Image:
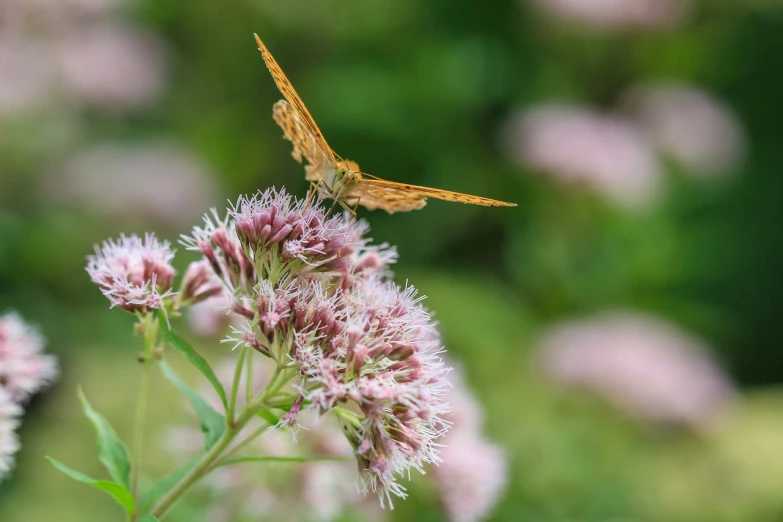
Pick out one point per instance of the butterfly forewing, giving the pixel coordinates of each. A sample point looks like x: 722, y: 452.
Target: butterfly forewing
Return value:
x: 288, y: 91
x: 402, y: 196
x: 305, y: 144
x: 388, y: 198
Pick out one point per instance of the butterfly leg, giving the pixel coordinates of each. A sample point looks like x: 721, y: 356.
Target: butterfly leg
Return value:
x: 314, y: 188
x: 334, y: 202
x: 349, y: 209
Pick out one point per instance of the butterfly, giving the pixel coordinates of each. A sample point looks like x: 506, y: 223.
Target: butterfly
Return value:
x: 341, y: 179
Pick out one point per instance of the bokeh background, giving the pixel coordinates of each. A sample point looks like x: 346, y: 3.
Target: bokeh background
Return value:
x: 641, y: 139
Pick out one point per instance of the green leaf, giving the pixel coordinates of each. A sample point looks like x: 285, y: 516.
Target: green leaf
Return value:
x: 162, y: 486
x: 268, y: 416
x: 111, y: 450
x: 181, y: 345
x: 149, y: 518
x: 240, y: 460
x: 213, y: 424
x: 117, y: 491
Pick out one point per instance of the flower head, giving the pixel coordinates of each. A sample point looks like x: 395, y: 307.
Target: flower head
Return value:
x: 317, y: 299
x: 474, y: 471
x: 689, y: 125
x: 375, y: 346
x: 159, y: 179
x: 272, y: 235
x: 9, y: 420
x: 132, y: 273
x: 643, y: 365
x: 112, y: 67
x: 618, y: 14
x: 580, y: 146
x: 294, y: 230
x: 23, y: 368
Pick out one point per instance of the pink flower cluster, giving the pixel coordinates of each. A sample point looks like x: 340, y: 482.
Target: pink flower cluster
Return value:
x: 133, y: 273
x: 618, y: 153
x: 10, y: 412
x: 79, y: 51
x: 618, y: 14
x: 581, y: 146
x: 643, y: 365
x: 24, y: 370
x: 315, y: 294
x: 381, y: 353
x: 135, y: 179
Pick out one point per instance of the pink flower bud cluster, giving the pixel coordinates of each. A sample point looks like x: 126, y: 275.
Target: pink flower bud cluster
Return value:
x: 296, y: 230
x: 383, y: 358
x: 24, y: 370
x: 133, y: 273
x: 314, y: 293
x: 271, y: 234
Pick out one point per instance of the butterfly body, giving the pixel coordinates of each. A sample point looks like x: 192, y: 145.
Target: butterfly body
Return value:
x: 341, y: 179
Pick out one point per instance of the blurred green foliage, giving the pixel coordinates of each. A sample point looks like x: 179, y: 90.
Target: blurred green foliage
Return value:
x: 419, y: 92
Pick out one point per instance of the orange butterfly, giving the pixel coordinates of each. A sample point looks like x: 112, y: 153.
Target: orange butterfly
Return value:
x: 341, y: 179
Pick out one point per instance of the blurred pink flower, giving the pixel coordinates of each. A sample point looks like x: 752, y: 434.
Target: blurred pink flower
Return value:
x: 9, y: 420
x: 577, y: 145
x: 24, y: 369
x: 200, y: 282
x: 471, y: 477
x: 25, y: 74
x: 607, y: 14
x: 56, y: 17
x: 689, y: 125
x: 113, y: 67
x: 642, y: 364
x: 212, y: 316
x: 158, y: 179
x: 474, y: 472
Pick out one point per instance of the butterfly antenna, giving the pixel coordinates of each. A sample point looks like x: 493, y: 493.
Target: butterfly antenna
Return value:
x: 371, y: 176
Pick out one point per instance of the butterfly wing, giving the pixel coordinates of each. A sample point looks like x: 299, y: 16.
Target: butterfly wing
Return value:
x: 401, y: 197
x: 306, y: 122
x: 392, y: 199
x: 305, y: 143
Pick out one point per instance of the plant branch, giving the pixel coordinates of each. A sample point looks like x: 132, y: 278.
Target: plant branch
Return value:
x: 232, y: 403
x: 150, y: 337
x: 205, y: 464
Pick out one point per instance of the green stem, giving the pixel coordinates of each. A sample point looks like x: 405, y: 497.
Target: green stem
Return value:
x: 249, y: 378
x: 204, y: 465
x: 150, y: 337
x: 232, y: 403
x: 233, y: 427
x: 250, y: 438
x: 275, y: 385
